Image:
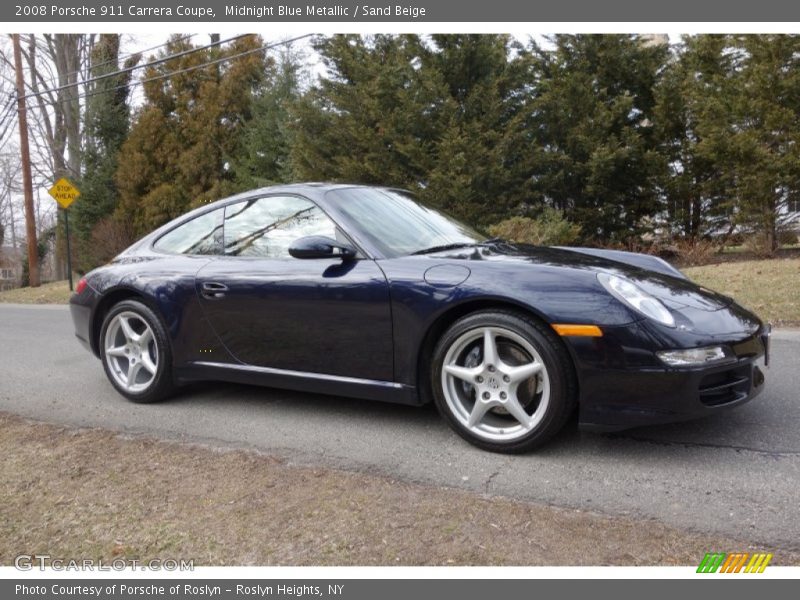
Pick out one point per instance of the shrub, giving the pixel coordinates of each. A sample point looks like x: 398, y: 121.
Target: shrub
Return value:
x: 548, y: 229
x: 787, y: 237
x: 757, y: 244
x: 109, y: 237
x: 735, y: 239
x: 694, y: 252
x: 42, y: 246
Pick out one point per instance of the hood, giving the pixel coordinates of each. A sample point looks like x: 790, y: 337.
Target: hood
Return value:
x: 673, y: 290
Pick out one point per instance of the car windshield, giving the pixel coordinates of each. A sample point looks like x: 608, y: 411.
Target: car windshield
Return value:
x: 397, y: 224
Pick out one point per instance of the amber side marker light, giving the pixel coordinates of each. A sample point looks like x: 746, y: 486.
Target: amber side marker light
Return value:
x: 578, y: 330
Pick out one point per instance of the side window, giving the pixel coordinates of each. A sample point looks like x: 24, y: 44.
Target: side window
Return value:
x: 266, y: 227
x: 201, y: 235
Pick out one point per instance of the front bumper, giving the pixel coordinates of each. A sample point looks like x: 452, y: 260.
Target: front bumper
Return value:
x: 623, y: 385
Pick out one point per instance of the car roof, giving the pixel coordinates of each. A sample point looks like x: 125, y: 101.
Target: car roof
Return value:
x: 314, y: 188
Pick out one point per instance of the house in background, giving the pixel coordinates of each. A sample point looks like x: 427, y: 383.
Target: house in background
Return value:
x: 789, y: 218
x: 10, y: 267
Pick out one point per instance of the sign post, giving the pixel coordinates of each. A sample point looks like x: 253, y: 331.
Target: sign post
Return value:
x: 65, y: 193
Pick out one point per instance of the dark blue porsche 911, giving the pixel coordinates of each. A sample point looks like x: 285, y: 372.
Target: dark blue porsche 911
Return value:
x: 366, y: 292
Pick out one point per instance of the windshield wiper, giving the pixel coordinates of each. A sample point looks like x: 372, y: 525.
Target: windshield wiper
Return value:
x: 456, y: 246
x: 443, y: 247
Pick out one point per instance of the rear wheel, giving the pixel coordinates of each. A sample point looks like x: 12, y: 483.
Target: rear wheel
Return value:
x: 503, y: 381
x: 135, y: 352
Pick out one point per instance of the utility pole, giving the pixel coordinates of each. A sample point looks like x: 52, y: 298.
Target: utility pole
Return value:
x: 30, y: 222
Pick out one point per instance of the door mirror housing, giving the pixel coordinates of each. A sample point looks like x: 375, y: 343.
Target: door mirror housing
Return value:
x: 320, y: 246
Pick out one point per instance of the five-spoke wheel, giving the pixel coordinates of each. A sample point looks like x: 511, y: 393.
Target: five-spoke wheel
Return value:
x: 131, y: 350
x: 135, y: 352
x: 502, y: 381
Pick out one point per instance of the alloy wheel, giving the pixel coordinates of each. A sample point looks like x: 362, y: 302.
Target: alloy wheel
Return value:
x: 495, y: 383
x: 131, y: 352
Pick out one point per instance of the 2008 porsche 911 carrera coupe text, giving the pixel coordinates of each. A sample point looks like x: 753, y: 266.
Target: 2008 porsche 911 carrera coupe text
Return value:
x: 366, y: 292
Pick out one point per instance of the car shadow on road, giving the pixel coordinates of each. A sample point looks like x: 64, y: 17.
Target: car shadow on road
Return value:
x: 301, y: 406
x: 732, y: 430
x: 299, y: 402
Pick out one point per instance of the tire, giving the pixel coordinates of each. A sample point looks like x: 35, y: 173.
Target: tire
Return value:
x: 513, y: 398
x: 148, y: 358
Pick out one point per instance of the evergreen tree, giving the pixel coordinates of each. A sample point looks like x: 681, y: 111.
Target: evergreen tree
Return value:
x: 729, y: 119
x: 478, y: 170
x: 264, y: 156
x: 429, y: 115
x: 764, y: 140
x: 107, y: 121
x: 692, y: 120
x: 189, y: 131
x: 374, y: 118
x: 593, y: 153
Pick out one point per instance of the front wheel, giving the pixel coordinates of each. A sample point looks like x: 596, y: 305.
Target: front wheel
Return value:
x: 135, y: 352
x: 503, y: 381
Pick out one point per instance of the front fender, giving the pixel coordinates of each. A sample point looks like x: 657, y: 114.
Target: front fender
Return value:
x: 635, y: 259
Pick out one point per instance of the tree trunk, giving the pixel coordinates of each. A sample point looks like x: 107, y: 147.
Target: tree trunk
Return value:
x: 68, y: 65
x: 771, y: 232
x: 58, y: 103
x: 696, y: 216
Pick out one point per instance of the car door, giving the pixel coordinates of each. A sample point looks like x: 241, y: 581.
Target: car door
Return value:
x: 313, y: 315
x: 169, y: 279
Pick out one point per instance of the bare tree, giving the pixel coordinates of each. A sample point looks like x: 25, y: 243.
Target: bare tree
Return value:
x: 10, y: 163
x: 10, y: 167
x: 57, y: 68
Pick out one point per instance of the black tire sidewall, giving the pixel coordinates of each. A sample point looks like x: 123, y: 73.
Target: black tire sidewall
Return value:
x: 556, y: 361
x: 162, y: 382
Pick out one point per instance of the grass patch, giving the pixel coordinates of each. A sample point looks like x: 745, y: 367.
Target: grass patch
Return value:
x: 56, y: 292
x: 770, y: 288
x: 94, y: 493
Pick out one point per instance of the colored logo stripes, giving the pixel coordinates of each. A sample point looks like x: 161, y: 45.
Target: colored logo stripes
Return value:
x: 734, y: 562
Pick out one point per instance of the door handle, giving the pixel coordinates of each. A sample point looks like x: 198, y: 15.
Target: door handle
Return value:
x: 213, y: 289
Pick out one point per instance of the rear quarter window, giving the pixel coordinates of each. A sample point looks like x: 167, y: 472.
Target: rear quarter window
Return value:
x: 201, y: 235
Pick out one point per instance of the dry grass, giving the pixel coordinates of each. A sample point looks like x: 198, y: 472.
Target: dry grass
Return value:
x: 48, y: 293
x: 771, y: 288
x: 97, y: 494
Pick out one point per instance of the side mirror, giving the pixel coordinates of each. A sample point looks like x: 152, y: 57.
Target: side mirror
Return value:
x: 319, y: 246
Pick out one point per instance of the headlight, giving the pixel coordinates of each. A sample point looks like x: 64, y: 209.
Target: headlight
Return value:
x: 694, y: 356
x: 635, y: 297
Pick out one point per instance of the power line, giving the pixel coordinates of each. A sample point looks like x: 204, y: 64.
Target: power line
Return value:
x: 6, y: 110
x: 125, y: 55
x: 6, y: 128
x: 6, y: 113
x: 178, y: 72
x: 195, y: 67
x: 8, y: 125
x: 52, y: 78
x: 10, y: 101
x: 135, y: 67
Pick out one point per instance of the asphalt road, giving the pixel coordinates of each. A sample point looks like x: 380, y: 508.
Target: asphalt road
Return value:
x: 736, y: 474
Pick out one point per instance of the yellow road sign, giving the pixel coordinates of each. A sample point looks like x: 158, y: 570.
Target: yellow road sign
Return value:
x: 64, y: 192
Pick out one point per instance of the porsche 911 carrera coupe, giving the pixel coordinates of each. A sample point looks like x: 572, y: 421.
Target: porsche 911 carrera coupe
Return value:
x: 366, y: 292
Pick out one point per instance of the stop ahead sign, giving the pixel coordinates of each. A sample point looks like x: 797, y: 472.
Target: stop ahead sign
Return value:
x: 64, y: 192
